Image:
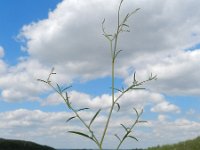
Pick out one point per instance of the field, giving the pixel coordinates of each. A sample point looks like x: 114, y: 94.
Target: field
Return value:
x: 187, y: 145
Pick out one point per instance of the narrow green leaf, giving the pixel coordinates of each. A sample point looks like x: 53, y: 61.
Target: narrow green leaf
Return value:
x: 70, y: 118
x: 115, y: 54
x: 136, y: 111
x: 109, y: 35
x: 137, y: 88
x: 121, y: 3
x: 59, y: 89
x: 66, y: 88
x: 141, y: 112
x: 134, y: 77
x: 83, y: 109
x: 118, y: 137
x: 137, y: 9
x: 130, y: 136
x: 103, y: 21
x: 125, y: 25
x: 142, y: 121
x: 134, y: 11
x: 125, y: 19
x: 52, y: 71
x: 42, y: 80
x: 94, y: 117
x: 118, y: 90
x: 118, y: 106
x: 124, y: 127
x: 67, y: 97
x: 80, y: 133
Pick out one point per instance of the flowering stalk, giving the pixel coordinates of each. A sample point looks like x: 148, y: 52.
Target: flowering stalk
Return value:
x: 113, y: 41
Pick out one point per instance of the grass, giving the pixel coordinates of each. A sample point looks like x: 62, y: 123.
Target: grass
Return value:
x: 186, y: 145
x: 6, y: 144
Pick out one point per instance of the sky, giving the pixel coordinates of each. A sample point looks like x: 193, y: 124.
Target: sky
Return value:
x: 164, y: 39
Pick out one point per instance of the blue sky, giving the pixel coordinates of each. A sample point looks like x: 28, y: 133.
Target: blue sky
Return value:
x: 38, y: 35
x: 13, y: 16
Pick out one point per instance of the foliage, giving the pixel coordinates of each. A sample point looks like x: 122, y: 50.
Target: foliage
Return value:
x: 6, y: 144
x: 122, y: 26
x: 187, y: 145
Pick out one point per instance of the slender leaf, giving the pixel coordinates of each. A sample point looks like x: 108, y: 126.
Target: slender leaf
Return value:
x: 118, y: 90
x: 42, y: 80
x: 141, y: 112
x: 125, y: 127
x: 142, y: 121
x: 137, y: 88
x: 117, y: 53
x: 136, y: 111
x: 83, y: 109
x: 80, y: 133
x: 59, y: 89
x: 52, y: 72
x: 125, y: 25
x: 66, y: 88
x: 94, y: 117
x: 130, y: 136
x: 118, y: 137
x: 118, y: 106
x: 134, y: 77
x: 67, y: 97
x: 135, y: 11
x: 103, y: 21
x: 125, y: 19
x: 70, y: 118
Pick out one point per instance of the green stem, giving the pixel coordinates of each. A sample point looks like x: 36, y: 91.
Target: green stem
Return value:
x: 77, y: 115
x: 128, y: 132
x: 112, y: 106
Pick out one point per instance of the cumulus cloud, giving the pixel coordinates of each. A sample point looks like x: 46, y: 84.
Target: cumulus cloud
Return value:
x: 133, y: 99
x: 161, y: 33
x: 165, y: 107
x: 32, y: 124
x: 177, y: 73
x: 172, y: 131
x: 68, y: 42
x: 71, y: 40
x: 3, y: 67
x: 1, y: 51
x: 20, y: 83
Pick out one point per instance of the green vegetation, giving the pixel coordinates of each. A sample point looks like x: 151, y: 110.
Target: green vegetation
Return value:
x: 6, y: 144
x: 187, y: 145
x: 112, y: 38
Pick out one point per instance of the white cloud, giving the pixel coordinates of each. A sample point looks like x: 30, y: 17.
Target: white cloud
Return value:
x: 51, y: 126
x: 165, y: 107
x: 1, y: 51
x: 133, y: 99
x: 161, y: 32
x: 68, y: 42
x: 177, y: 73
x: 171, y: 131
x: 162, y: 118
x: 3, y: 67
x: 71, y: 40
x: 20, y: 82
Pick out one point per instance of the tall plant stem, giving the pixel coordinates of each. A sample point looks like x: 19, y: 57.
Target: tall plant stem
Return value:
x: 113, y: 51
x: 112, y: 106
